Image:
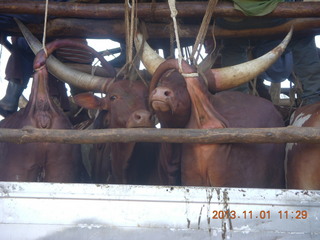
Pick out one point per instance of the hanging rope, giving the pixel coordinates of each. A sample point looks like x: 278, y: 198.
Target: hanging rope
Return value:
x: 131, y: 26
x: 127, y: 29
x: 171, y: 40
x: 45, y: 28
x: 203, y: 30
x: 213, y: 37
x: 174, y: 12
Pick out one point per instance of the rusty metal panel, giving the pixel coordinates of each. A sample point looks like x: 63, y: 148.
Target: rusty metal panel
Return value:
x: 89, y: 211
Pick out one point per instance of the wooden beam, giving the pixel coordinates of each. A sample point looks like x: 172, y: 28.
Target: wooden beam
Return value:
x: 227, y: 135
x: 114, y: 29
x: 149, y: 10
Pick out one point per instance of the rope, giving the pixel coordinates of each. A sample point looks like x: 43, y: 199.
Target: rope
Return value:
x: 174, y: 12
x: 45, y: 28
x: 213, y: 37
x: 127, y: 26
x: 131, y: 26
x: 190, y: 74
x: 131, y: 29
x: 171, y: 40
x: 203, y: 29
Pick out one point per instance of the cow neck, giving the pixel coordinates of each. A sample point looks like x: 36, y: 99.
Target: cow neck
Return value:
x: 202, y: 111
x: 40, y: 106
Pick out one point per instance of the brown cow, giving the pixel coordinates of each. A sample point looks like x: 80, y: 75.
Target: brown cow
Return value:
x: 50, y: 162
x: 125, y: 106
x: 303, y: 159
x: 123, y: 91
x: 186, y: 102
x: 221, y: 165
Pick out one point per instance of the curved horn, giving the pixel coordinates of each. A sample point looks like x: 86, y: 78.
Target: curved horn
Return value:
x: 151, y: 60
x: 61, y: 71
x: 229, y: 77
x: 54, y: 45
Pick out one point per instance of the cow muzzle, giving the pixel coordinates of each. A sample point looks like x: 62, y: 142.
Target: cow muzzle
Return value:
x: 140, y: 119
x: 160, y: 99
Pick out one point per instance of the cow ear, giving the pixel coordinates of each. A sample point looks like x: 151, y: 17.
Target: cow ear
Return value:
x: 87, y: 100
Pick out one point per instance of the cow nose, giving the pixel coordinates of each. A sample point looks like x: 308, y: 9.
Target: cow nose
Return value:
x: 140, y: 118
x: 161, y: 92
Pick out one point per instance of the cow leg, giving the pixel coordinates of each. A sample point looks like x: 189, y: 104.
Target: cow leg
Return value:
x: 19, y: 173
x: 195, y: 165
x: 22, y: 165
x: 303, y: 169
x: 65, y: 166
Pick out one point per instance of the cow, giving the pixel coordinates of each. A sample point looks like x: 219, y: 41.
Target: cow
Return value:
x: 185, y: 102
x: 122, y: 100
x: 303, y: 159
x: 124, y: 106
x: 49, y: 162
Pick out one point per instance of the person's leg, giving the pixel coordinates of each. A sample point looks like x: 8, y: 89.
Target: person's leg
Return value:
x: 9, y: 103
x: 19, y: 69
x: 234, y: 51
x: 307, y: 67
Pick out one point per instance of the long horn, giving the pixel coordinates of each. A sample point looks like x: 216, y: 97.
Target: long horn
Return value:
x: 151, y: 60
x: 71, y: 76
x: 230, y: 77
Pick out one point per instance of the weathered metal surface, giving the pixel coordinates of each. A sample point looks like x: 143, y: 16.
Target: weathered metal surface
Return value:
x: 88, y: 211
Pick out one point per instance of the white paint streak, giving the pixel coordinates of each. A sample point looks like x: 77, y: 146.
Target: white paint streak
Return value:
x: 300, y: 119
x: 297, y: 121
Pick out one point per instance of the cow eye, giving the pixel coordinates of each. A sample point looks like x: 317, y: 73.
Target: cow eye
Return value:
x: 113, y: 97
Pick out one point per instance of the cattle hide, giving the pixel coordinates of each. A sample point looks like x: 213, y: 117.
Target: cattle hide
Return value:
x: 303, y: 159
x: 124, y: 106
x: 49, y: 162
x: 187, y: 103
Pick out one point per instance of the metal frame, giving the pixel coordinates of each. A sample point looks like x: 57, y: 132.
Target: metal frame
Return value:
x: 91, y: 211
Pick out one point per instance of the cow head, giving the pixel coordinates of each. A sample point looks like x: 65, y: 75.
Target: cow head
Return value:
x: 168, y: 93
x: 125, y: 102
x: 124, y: 106
x: 170, y: 99
x: 189, y: 94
